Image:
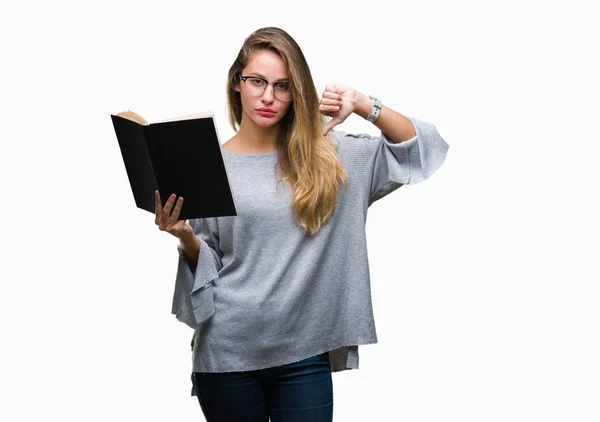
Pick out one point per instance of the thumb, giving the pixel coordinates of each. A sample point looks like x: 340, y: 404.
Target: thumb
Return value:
x: 328, y: 126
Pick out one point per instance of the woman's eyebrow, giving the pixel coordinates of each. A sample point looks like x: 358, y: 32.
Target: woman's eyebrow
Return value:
x: 261, y: 76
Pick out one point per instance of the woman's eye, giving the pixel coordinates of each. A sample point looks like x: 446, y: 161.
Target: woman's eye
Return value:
x: 283, y: 86
x: 258, y: 82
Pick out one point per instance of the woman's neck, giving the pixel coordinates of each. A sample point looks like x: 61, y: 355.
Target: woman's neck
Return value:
x: 257, y: 139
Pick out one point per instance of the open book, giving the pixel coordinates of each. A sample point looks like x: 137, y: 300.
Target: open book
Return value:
x: 181, y: 155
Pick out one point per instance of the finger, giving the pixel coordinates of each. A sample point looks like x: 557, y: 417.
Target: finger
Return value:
x: 331, y: 101
x: 158, y: 201
x: 175, y: 215
x: 332, y: 88
x: 328, y: 126
x: 331, y: 95
x: 168, y: 206
x: 328, y: 109
x: 158, y: 207
x: 326, y: 113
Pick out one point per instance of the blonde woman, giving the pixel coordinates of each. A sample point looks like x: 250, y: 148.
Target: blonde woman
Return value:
x: 279, y: 295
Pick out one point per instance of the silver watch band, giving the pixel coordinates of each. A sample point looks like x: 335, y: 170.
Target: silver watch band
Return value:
x: 375, y: 110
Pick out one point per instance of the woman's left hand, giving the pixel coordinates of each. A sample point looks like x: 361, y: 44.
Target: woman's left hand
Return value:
x: 337, y: 102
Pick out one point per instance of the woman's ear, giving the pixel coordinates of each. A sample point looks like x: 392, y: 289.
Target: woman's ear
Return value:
x: 237, y: 87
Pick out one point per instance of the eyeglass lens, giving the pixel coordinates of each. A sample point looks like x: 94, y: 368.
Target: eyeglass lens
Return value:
x: 257, y: 87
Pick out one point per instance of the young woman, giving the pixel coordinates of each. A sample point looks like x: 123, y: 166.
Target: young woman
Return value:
x: 279, y: 295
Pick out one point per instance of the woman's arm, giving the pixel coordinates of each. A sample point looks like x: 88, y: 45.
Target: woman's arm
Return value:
x: 339, y: 101
x: 198, y: 265
x: 191, y: 249
x: 396, y: 126
x: 408, y: 150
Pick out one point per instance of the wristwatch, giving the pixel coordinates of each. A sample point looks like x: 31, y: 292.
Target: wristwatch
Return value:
x: 375, y: 110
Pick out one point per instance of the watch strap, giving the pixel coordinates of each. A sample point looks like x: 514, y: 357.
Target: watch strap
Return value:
x: 375, y: 110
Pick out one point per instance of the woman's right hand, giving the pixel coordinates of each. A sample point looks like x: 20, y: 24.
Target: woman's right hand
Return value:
x: 168, y: 221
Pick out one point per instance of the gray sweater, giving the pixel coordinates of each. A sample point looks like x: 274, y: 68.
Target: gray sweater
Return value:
x: 266, y: 294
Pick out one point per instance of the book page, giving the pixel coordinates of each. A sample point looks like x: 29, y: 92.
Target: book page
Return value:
x: 133, y: 116
x: 189, y: 117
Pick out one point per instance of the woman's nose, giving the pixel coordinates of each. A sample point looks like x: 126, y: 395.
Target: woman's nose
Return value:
x: 269, y: 94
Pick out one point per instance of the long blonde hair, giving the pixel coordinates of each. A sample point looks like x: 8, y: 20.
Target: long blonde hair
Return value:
x: 307, y: 159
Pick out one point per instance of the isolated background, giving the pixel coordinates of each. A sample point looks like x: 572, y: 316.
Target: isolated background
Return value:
x: 484, y: 286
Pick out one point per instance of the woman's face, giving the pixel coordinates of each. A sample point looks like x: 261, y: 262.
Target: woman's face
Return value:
x: 264, y: 109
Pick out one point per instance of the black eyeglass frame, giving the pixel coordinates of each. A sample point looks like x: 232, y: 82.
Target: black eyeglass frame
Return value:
x: 244, y: 78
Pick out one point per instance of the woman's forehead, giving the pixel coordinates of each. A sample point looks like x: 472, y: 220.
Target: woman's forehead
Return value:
x: 266, y: 64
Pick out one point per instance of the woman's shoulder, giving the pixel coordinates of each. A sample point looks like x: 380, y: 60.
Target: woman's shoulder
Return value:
x: 349, y: 143
x: 230, y: 146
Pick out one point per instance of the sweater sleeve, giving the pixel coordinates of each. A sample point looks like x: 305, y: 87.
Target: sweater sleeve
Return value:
x: 193, y: 296
x: 388, y: 165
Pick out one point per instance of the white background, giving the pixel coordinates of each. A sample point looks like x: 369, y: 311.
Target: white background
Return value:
x: 484, y: 285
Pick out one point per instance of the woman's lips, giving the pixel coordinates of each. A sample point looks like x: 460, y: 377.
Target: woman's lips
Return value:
x: 266, y: 113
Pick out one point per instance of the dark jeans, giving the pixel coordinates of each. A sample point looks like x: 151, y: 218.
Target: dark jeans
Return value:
x: 299, y: 392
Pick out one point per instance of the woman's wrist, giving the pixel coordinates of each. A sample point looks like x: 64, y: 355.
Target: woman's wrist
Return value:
x: 188, y: 239
x: 191, y: 249
x: 363, y: 105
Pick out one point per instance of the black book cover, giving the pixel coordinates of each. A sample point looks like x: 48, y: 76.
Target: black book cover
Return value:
x: 178, y: 156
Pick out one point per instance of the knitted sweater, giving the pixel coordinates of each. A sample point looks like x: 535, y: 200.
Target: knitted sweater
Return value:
x: 264, y: 292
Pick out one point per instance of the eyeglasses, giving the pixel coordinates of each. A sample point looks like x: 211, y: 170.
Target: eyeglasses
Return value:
x: 257, y: 86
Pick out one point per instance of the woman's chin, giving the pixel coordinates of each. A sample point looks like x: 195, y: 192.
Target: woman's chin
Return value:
x: 266, y: 122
